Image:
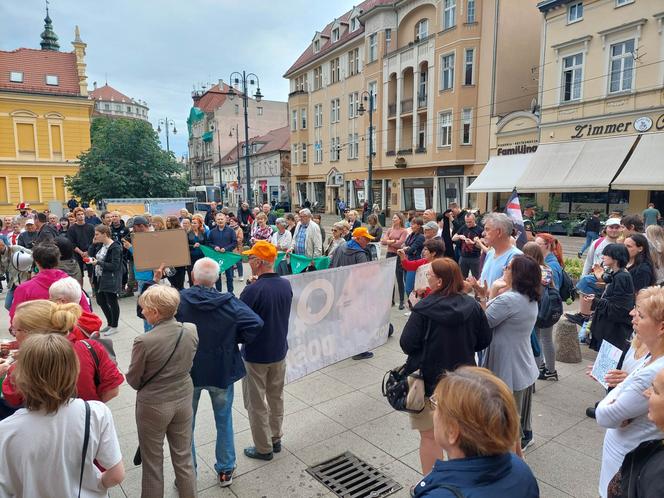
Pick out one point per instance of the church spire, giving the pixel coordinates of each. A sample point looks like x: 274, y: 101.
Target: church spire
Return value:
x: 49, y: 40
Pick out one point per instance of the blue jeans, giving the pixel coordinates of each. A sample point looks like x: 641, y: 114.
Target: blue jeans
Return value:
x: 222, y: 406
x: 141, y: 284
x: 590, y: 236
x: 229, y: 281
x: 239, y: 268
x: 9, y: 298
x: 410, y: 282
x: 586, y: 285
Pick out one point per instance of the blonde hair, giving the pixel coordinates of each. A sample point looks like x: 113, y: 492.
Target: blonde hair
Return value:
x: 655, y: 236
x: 46, y: 372
x: 162, y: 298
x: 483, y: 408
x: 158, y: 219
x: 262, y: 216
x: 44, y: 317
x: 651, y: 301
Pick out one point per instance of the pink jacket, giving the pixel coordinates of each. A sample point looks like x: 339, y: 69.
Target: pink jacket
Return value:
x: 37, y: 288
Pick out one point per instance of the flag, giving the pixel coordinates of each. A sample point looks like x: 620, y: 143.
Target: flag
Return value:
x: 513, y: 210
x: 226, y: 260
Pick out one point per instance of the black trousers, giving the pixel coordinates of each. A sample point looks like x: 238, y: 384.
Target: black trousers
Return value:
x: 399, y: 275
x: 108, y: 302
x: 177, y: 280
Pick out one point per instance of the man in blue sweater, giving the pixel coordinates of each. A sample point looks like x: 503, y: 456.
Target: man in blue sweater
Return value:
x: 270, y: 297
x: 222, y: 239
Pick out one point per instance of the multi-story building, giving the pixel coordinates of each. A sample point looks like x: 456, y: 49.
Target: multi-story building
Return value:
x: 599, y: 142
x: 44, y: 121
x: 439, y: 70
x: 213, y: 122
x: 269, y: 167
x: 112, y: 103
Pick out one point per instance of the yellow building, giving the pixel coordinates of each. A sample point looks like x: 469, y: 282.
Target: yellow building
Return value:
x: 44, y: 121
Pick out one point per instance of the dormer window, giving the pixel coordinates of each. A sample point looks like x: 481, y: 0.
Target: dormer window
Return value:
x: 316, y: 46
x: 354, y: 23
x: 335, y: 35
x: 421, y: 30
x: 16, y: 77
x: 52, y: 80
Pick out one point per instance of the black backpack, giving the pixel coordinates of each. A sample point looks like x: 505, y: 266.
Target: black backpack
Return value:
x: 550, y: 308
x: 567, y: 289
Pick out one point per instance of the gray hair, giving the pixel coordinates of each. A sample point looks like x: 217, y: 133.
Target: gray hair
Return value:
x: 281, y: 221
x: 205, y: 272
x: 65, y: 290
x: 305, y: 212
x: 500, y: 221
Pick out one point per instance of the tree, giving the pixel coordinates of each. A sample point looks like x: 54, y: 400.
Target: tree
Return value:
x: 126, y: 161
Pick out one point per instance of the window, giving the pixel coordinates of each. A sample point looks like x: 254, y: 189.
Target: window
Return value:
x: 371, y: 133
x: 449, y: 14
x: 237, y: 108
x: 422, y: 30
x: 447, y: 79
x: 353, y: 104
x: 373, y: 52
x: 470, y: 12
x: 26, y: 139
x: 422, y: 137
x: 107, y: 107
x: 445, y: 132
x: 388, y: 39
x: 575, y: 12
x: 620, y: 3
x: 30, y: 189
x: 469, y: 61
x: 259, y: 111
x: 354, y: 62
x: 303, y: 118
x: 117, y: 107
x: 422, y: 89
x: 56, y: 142
x: 335, y: 149
x: 304, y: 153
x: 318, y: 148
x: 335, y: 35
x: 334, y: 70
x: 572, y: 77
x: 128, y: 109
x: 60, y: 191
x: 52, y: 80
x: 354, y: 146
x: 316, y: 46
x: 372, y: 90
x: 466, y: 126
x: 293, y: 126
x: 294, y: 154
x: 318, y: 115
x: 4, y: 199
x: 335, y: 111
x: 16, y: 77
x: 318, y: 78
x: 621, y: 72
x: 354, y: 23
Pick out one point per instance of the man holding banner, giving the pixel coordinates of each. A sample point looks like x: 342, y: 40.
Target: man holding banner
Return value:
x: 223, y: 240
x: 307, y: 239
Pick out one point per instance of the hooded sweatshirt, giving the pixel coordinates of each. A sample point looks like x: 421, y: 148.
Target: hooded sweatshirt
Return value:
x: 87, y: 324
x: 349, y: 253
x: 37, y: 288
x: 458, y: 329
x: 223, y: 322
x: 480, y: 477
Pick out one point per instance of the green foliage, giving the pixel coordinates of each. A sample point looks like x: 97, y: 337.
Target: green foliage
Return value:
x: 279, y: 213
x: 574, y: 267
x: 126, y: 161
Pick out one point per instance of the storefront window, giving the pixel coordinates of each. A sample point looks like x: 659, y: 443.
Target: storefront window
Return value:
x: 577, y: 203
x: 417, y: 193
x: 450, y: 189
x: 472, y: 197
x: 319, y: 194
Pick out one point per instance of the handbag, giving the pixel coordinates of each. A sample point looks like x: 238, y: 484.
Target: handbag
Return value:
x: 405, y: 390
x: 137, y: 460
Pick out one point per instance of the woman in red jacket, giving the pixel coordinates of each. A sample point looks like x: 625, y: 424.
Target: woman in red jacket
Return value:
x: 433, y: 249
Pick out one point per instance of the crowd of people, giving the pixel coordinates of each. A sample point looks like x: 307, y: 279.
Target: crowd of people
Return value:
x: 476, y: 331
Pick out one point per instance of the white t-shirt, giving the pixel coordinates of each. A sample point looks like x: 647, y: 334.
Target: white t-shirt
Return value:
x: 41, y: 454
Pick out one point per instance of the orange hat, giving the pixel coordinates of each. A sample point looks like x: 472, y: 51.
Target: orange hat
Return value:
x: 262, y: 250
x: 362, y: 232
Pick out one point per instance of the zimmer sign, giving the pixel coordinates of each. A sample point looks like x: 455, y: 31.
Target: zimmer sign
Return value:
x: 639, y: 125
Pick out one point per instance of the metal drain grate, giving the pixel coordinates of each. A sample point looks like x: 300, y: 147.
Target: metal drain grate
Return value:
x: 349, y: 477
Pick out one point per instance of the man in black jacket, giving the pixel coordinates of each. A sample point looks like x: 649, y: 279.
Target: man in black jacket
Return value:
x: 45, y: 231
x: 118, y: 232
x: 81, y: 235
x: 29, y: 236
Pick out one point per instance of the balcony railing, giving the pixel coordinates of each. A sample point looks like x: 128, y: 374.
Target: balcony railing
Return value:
x: 391, y: 110
x: 390, y: 153
x: 404, y: 152
x: 407, y: 105
x: 421, y: 101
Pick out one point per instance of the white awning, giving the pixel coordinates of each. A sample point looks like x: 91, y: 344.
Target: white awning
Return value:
x: 645, y: 168
x: 501, y: 173
x: 579, y: 166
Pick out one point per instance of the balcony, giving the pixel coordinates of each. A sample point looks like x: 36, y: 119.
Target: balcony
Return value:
x: 297, y: 92
x: 390, y: 153
x: 421, y: 150
x: 391, y: 110
x: 406, y: 106
x: 421, y: 101
x: 405, y: 152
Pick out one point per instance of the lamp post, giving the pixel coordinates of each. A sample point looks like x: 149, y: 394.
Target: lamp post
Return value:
x: 166, y: 123
x: 237, y: 152
x: 369, y: 97
x: 245, y: 80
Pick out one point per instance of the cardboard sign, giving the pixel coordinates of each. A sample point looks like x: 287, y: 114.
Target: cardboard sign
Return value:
x: 167, y: 247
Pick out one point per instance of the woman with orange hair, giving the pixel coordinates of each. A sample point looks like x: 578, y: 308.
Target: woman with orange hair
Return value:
x: 476, y: 423
x: 444, y: 331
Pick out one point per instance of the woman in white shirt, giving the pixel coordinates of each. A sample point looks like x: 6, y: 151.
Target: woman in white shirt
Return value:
x: 47, y: 437
x: 624, y: 411
x: 282, y: 238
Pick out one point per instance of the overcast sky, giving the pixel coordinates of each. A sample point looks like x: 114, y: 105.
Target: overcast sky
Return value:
x: 158, y: 50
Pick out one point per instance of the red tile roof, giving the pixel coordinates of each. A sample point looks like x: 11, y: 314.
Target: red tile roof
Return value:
x: 35, y: 65
x: 309, y: 56
x: 213, y: 98
x: 107, y: 92
x: 273, y: 140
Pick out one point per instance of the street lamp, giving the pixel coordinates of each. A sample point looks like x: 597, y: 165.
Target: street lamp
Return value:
x: 369, y: 97
x: 244, y: 80
x: 166, y: 123
x: 237, y: 151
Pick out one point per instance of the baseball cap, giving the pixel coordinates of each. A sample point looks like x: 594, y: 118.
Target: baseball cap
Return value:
x: 140, y: 220
x: 262, y: 249
x: 431, y: 225
x: 29, y: 221
x: 613, y: 221
x: 363, y: 232
x: 531, y: 205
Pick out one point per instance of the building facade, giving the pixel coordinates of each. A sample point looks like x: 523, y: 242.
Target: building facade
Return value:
x: 439, y: 72
x: 44, y: 122
x: 213, y: 122
x: 112, y: 103
x: 269, y: 167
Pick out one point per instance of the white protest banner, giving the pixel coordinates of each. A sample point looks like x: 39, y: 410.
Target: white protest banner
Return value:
x: 419, y: 199
x: 338, y: 313
x: 607, y: 359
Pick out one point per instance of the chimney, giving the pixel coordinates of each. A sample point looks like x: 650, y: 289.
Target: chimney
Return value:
x: 94, y: 85
x: 221, y: 84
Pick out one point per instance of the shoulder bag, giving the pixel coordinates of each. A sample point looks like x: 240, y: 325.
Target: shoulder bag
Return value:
x: 86, y: 440
x: 405, y: 391
x: 137, y: 456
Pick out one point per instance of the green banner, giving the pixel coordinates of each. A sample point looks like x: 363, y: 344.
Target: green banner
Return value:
x: 299, y: 263
x: 322, y: 262
x: 280, y: 257
x: 226, y: 260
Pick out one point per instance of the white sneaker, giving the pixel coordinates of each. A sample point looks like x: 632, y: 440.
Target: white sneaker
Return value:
x: 241, y: 279
x: 110, y: 331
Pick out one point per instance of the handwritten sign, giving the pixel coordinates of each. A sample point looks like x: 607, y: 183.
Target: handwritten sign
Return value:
x: 607, y: 359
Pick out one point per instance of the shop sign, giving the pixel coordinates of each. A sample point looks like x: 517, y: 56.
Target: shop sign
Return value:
x: 641, y: 124
x: 517, y: 149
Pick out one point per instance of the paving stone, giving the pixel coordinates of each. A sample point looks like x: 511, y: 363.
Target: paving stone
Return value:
x: 548, y: 421
x: 357, y: 376
x: 404, y: 475
x: 336, y: 445
x: 548, y: 491
x: 307, y: 427
x: 391, y: 433
x: 316, y: 389
x: 586, y: 437
x: 353, y: 409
